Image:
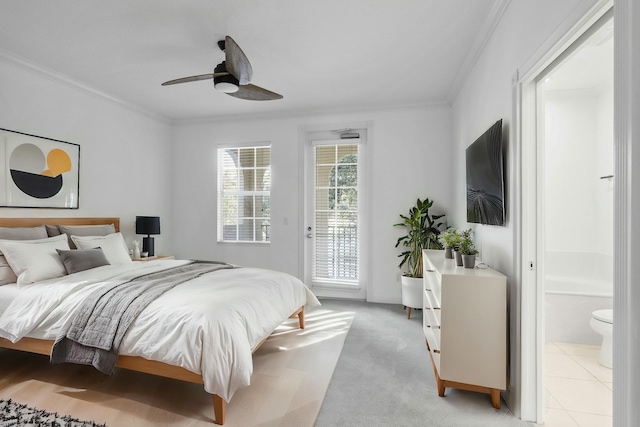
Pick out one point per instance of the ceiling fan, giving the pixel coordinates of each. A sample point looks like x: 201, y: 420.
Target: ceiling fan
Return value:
x: 232, y: 76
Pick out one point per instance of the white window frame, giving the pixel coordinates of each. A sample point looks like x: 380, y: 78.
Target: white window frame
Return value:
x: 221, y: 193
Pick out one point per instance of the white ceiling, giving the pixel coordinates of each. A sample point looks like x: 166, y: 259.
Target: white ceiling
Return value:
x: 320, y: 55
x: 588, y: 67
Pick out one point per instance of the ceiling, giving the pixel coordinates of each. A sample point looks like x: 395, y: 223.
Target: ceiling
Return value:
x: 588, y: 67
x: 330, y: 55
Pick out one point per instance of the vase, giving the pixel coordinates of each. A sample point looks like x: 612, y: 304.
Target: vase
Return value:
x: 469, y: 261
x: 458, y: 258
x: 448, y: 253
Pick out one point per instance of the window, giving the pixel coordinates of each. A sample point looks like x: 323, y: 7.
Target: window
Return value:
x: 244, y: 188
x: 336, y: 244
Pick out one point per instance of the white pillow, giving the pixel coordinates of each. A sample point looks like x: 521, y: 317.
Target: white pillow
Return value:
x: 35, y: 260
x: 17, y: 233
x: 6, y: 273
x: 113, y: 246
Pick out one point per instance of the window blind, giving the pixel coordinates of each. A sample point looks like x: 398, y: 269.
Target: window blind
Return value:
x: 336, y: 247
x: 244, y: 190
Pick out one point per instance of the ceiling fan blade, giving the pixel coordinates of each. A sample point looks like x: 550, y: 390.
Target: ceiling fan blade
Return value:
x: 190, y: 79
x: 237, y: 63
x: 254, y: 93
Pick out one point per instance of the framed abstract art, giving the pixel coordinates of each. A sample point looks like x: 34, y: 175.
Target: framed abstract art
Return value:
x: 38, y: 172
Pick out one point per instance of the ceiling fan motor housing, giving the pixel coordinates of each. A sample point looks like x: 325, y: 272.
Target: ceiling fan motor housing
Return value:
x: 225, y: 83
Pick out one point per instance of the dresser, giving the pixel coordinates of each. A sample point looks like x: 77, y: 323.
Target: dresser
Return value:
x: 465, y: 325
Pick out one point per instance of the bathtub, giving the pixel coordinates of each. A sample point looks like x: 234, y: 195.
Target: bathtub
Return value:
x: 576, y: 284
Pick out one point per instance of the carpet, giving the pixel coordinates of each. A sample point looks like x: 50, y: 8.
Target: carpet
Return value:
x: 384, y: 378
x: 15, y: 414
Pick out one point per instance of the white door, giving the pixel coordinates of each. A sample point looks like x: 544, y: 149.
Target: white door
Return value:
x: 333, y: 218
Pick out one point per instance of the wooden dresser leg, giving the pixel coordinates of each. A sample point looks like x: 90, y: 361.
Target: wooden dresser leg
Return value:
x: 301, y: 318
x: 495, y: 398
x: 408, y: 312
x: 219, y: 409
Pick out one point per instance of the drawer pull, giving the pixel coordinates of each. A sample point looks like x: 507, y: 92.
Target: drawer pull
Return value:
x: 436, y: 351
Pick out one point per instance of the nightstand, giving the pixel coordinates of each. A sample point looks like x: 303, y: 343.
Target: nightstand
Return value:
x: 151, y: 258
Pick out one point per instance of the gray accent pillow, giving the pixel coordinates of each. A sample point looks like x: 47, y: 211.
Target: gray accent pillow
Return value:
x: 17, y: 233
x: 23, y: 233
x: 52, y: 230
x: 82, y: 259
x: 86, y: 230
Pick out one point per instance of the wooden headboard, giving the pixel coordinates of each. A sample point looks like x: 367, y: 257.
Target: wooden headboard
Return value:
x: 34, y: 222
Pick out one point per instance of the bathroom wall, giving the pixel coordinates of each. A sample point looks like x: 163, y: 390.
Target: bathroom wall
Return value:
x: 578, y: 151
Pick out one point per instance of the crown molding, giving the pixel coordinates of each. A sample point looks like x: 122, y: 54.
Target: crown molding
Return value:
x: 309, y: 112
x: 489, y: 24
x: 64, y: 80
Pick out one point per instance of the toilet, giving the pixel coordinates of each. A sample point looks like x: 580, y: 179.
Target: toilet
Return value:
x: 602, y: 323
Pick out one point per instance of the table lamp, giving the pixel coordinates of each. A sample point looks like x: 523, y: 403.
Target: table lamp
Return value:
x: 148, y: 225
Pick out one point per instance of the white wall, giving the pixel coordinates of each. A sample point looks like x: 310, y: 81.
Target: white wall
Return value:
x: 570, y: 175
x: 125, y: 167
x: 408, y: 153
x: 604, y: 167
x: 485, y: 97
x: 578, y: 204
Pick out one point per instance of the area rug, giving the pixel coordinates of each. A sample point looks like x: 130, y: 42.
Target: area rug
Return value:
x: 18, y: 415
x: 292, y: 371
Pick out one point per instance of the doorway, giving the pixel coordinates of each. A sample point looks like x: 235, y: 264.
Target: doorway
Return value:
x: 574, y: 98
x: 532, y: 218
x: 335, y: 200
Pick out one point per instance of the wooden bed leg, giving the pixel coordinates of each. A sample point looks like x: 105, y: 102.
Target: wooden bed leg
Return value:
x: 219, y: 409
x: 301, y: 318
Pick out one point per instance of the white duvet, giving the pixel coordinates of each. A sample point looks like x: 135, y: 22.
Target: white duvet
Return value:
x: 209, y: 325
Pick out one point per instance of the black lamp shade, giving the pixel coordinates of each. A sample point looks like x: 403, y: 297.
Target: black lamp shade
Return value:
x: 148, y: 225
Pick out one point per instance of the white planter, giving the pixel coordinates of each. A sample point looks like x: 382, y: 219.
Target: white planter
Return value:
x: 411, y: 291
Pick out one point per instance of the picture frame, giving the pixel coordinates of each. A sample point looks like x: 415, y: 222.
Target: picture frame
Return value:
x: 38, y: 172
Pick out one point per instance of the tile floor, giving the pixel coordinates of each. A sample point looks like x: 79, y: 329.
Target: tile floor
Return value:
x: 578, y: 388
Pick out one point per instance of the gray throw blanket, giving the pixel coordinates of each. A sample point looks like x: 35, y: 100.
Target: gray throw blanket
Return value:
x: 96, y: 332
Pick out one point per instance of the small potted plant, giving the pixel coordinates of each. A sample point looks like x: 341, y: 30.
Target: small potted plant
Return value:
x: 450, y: 239
x: 467, y: 249
x: 422, y: 233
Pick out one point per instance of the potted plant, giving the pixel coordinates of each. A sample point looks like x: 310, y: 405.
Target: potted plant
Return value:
x: 467, y: 249
x: 449, y: 238
x: 422, y: 233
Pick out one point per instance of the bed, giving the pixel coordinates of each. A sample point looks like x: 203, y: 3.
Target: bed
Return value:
x: 202, y: 331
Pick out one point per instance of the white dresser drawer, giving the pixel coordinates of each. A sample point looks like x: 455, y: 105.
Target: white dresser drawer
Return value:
x: 433, y: 338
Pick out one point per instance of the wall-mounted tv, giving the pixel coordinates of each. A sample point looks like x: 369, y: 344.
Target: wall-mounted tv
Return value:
x: 485, y: 178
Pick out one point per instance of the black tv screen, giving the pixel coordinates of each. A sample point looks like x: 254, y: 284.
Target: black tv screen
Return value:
x: 485, y: 181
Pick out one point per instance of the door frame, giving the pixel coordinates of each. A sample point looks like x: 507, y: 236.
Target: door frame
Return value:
x: 307, y: 135
x: 528, y: 246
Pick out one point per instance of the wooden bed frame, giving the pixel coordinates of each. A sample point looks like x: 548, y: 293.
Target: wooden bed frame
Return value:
x: 133, y: 363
